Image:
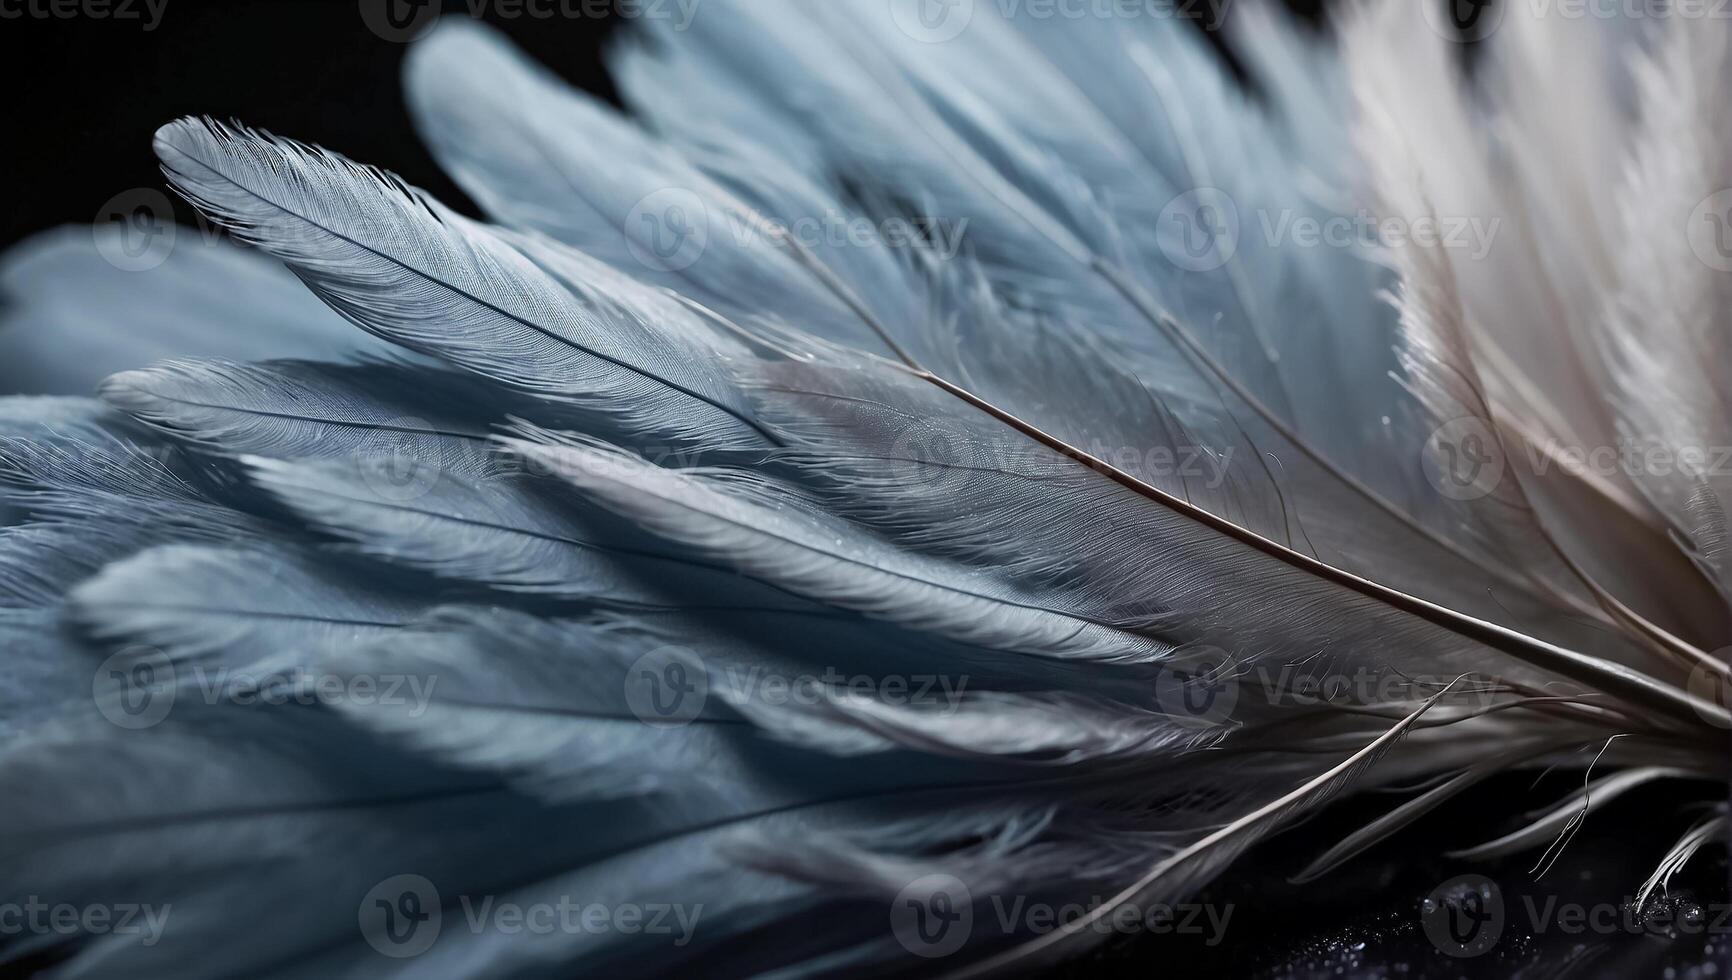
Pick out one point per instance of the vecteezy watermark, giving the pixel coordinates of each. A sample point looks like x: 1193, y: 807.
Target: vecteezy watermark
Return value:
x: 1203, y: 685
x: 35, y: 917
x: 1633, y: 457
x: 138, y: 687
x: 1656, y: 918
x: 667, y: 687
x: 402, y: 21
x: 931, y: 452
x: 1017, y: 916
x: 1463, y: 459
x: 939, y: 237
x: 940, y: 455
x: 1190, y: 462
x: 1467, y: 915
x: 1309, y: 686
x: 148, y: 13
x: 932, y: 916
x: 669, y: 230
x: 1470, y: 235
x: 1204, y: 228
x: 937, y: 21
x: 134, y: 688
x: 775, y: 689
x: 1198, y: 231
x: 402, y: 916
x: 135, y: 229
x: 1709, y: 230
x: 1200, y: 689
x: 402, y: 461
x: 406, y: 457
x: 1464, y: 916
x: 935, y: 915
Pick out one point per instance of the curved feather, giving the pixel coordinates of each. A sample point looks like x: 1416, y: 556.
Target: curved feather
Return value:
x: 421, y: 276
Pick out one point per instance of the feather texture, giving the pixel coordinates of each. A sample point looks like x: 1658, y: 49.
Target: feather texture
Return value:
x: 984, y: 553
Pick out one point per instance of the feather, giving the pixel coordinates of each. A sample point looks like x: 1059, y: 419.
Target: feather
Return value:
x: 647, y: 441
x: 254, y: 607
x: 805, y: 552
x: 293, y: 409
x: 503, y: 533
x: 518, y: 310
x: 73, y: 315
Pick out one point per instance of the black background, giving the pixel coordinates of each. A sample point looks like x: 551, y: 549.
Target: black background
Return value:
x: 84, y: 96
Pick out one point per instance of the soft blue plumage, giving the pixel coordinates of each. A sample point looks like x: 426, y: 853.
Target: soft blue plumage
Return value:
x: 1031, y: 463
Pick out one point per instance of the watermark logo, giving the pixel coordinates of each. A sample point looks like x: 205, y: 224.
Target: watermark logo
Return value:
x: 400, y: 916
x: 135, y: 688
x: 933, y: 915
x: 1195, y: 465
x: 1198, y: 231
x: 1200, y: 692
x: 1633, y: 457
x: 138, y: 687
x: 932, y: 21
x: 1471, y: 236
x: 1022, y: 917
x: 34, y: 917
x: 754, y: 684
x: 149, y: 12
x: 933, y: 235
x: 1306, y: 685
x: 1464, y: 916
x: 1662, y: 917
x: 1463, y: 459
x: 668, y: 229
x: 1710, y: 231
x: 395, y: 461
x: 1464, y: 21
x: 927, y: 454
x: 400, y: 21
x: 135, y: 230
x: 573, y: 917
x: 667, y: 687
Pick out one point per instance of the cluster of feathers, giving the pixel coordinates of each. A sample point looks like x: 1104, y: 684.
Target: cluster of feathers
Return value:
x: 544, y: 456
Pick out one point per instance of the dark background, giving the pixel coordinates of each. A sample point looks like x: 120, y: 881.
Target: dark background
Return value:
x: 84, y: 96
